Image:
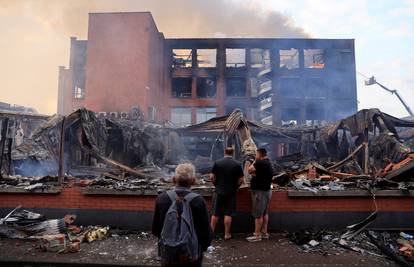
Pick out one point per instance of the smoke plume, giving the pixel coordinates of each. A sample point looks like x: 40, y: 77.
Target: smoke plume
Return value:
x: 36, y: 34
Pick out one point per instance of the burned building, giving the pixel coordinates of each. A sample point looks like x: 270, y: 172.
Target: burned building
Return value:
x: 128, y: 69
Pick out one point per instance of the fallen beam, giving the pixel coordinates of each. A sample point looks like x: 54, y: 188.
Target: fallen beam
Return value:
x: 348, y: 158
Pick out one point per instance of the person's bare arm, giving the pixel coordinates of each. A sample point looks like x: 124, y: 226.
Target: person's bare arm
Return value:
x: 241, y: 181
x: 213, y: 178
x: 251, y: 168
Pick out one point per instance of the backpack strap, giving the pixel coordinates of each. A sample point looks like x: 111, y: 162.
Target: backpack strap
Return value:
x: 172, y: 195
x: 190, y: 196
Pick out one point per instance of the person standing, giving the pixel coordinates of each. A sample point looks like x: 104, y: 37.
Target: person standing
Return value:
x: 260, y: 185
x: 194, y: 212
x: 227, y: 176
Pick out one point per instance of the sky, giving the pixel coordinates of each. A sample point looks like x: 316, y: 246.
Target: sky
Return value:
x: 35, y: 38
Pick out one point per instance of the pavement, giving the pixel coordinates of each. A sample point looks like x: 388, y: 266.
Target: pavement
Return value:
x: 139, y: 249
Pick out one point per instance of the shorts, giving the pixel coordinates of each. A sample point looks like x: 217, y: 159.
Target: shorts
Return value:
x: 260, y: 202
x: 224, y: 204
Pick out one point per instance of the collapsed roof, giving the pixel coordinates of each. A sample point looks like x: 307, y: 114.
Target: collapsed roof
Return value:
x: 92, y: 141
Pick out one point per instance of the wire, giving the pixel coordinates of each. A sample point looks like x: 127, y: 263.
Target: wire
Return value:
x: 363, y: 75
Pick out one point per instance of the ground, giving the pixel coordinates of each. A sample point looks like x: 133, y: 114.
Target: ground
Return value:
x: 140, y: 250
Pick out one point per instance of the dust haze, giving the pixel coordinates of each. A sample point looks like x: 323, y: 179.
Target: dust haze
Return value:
x: 35, y: 35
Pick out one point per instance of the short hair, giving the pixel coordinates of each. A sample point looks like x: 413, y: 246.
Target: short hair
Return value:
x: 262, y: 151
x: 184, y: 173
x: 229, y: 151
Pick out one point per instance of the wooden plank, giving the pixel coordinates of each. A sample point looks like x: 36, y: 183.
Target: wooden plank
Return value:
x: 125, y: 168
x: 345, y: 160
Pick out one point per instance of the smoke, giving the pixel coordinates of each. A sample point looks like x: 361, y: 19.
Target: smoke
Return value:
x: 180, y: 18
x: 35, y: 35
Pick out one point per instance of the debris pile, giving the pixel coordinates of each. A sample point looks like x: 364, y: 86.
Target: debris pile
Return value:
x: 29, y: 184
x: 393, y: 245
x: 55, y: 235
x: 361, y: 151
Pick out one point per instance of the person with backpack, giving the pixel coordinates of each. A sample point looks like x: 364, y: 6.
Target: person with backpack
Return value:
x: 261, y: 187
x: 181, y: 222
x: 227, y: 176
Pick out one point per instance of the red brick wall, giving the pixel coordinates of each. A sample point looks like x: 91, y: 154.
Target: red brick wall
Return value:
x: 72, y: 198
x: 120, y: 72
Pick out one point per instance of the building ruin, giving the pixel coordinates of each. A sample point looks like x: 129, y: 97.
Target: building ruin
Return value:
x: 128, y: 69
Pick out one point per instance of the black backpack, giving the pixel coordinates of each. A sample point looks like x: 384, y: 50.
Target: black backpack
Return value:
x: 179, y: 242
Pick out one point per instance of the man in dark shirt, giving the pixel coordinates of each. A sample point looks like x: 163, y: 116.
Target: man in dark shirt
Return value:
x: 227, y: 176
x: 183, y: 179
x: 260, y: 185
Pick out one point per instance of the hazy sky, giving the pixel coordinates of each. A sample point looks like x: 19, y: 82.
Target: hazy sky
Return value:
x: 35, y: 37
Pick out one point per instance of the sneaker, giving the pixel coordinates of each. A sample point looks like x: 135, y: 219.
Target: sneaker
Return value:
x: 254, y: 238
x: 265, y: 236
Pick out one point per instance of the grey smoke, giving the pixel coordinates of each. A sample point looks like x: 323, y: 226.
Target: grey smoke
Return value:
x: 179, y: 18
x: 35, y: 35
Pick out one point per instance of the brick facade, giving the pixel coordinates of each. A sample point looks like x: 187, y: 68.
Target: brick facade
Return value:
x: 126, y: 62
x: 73, y: 198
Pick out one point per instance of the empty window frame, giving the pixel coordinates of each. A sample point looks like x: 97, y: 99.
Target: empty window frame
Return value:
x: 182, y: 58
x: 290, y: 116
x: 259, y: 58
x: 236, y: 87
x: 206, y: 87
x: 79, y: 93
x: 181, y: 117
x: 206, y: 58
x: 235, y: 57
x: 314, y: 58
x: 290, y: 87
x: 289, y: 59
x: 204, y: 114
x: 342, y: 58
x: 181, y: 87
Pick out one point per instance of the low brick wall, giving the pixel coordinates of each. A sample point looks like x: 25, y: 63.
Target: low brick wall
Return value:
x: 134, y: 210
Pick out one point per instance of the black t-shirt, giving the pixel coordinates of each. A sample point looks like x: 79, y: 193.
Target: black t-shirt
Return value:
x: 262, y: 179
x: 228, y: 172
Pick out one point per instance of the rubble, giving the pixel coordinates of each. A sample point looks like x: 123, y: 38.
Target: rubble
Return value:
x: 54, y: 235
x: 358, y: 152
x: 374, y: 243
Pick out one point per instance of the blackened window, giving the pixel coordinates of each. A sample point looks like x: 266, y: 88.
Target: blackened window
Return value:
x: 181, y: 87
x: 206, y: 87
x: 236, y: 87
x: 259, y: 58
x: 314, y: 58
x: 289, y: 59
x: 182, y: 58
